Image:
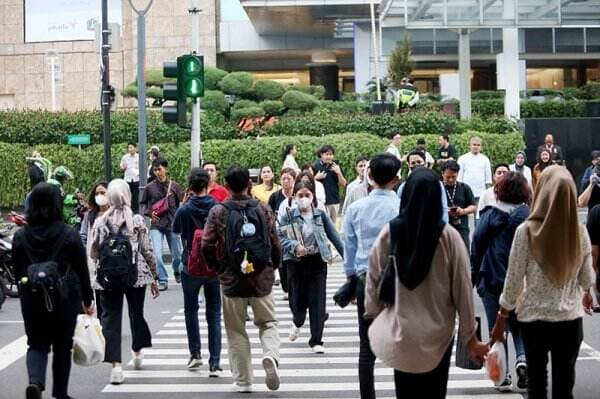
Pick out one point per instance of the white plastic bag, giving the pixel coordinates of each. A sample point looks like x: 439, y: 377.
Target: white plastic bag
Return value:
x: 496, y: 363
x: 88, y: 342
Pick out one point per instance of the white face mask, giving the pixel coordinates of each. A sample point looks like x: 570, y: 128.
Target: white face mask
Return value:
x: 101, y: 200
x: 304, y: 202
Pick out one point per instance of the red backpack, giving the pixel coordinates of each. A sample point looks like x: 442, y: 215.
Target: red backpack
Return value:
x: 196, y: 263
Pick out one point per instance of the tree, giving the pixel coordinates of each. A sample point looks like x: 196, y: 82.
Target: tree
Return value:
x: 400, y: 64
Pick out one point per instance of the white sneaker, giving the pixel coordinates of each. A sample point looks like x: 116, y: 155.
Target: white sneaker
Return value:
x: 271, y: 373
x: 137, y: 360
x: 294, y: 333
x: 194, y: 362
x: 242, y: 388
x: 318, y: 349
x: 116, y: 375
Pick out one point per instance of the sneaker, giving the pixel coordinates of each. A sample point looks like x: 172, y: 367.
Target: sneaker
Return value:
x: 177, y: 277
x: 194, y: 362
x: 242, y: 388
x: 116, y: 375
x: 137, y: 360
x: 271, y: 373
x: 215, y: 371
x: 522, y: 379
x: 294, y: 333
x: 33, y: 391
x: 163, y: 286
x: 596, y: 309
x: 505, y: 386
x: 318, y: 349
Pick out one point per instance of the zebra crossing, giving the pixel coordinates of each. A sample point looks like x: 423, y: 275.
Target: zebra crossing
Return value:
x: 303, y: 373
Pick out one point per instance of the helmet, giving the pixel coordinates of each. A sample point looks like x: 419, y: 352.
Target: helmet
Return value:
x: 61, y: 173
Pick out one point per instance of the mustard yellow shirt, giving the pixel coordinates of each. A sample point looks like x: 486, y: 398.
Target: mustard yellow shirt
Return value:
x: 261, y: 193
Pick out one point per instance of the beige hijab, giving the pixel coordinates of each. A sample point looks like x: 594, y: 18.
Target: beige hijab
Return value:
x: 553, y: 226
x: 119, y: 198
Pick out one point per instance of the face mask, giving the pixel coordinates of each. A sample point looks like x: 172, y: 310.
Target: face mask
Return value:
x: 101, y: 200
x: 304, y: 202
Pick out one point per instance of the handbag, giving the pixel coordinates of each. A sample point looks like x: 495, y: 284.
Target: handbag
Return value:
x: 463, y: 359
x: 161, y: 206
x: 346, y: 292
x: 386, y: 288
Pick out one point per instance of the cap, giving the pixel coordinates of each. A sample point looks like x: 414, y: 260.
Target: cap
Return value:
x: 595, y: 154
x: 154, y: 147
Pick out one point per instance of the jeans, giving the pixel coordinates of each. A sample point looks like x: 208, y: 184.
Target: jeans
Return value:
x: 366, y: 357
x: 562, y: 339
x: 212, y: 293
x: 134, y: 187
x: 492, y: 306
x: 157, y: 238
x: 307, y: 280
x: 430, y: 385
x: 112, y: 303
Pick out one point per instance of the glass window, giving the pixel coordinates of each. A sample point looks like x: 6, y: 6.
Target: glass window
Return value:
x: 497, y: 35
x: 480, y: 41
x: 446, y: 42
x: 569, y: 40
x: 538, y: 40
x: 422, y: 41
x: 593, y: 40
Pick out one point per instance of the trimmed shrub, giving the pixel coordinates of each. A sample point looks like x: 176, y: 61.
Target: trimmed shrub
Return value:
x: 343, y: 107
x: 268, y: 90
x: 553, y: 109
x: 488, y: 107
x: 214, y: 100
x: 238, y: 83
x: 244, y: 104
x: 296, y: 100
x: 247, y: 112
x: 212, y: 77
x: 487, y: 94
x: 273, y: 107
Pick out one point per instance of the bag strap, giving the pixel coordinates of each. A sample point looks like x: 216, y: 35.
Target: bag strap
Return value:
x: 393, y: 240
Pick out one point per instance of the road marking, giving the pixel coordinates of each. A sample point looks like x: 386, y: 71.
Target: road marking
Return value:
x: 350, y: 321
x: 13, y: 352
x: 328, y: 330
x: 11, y: 321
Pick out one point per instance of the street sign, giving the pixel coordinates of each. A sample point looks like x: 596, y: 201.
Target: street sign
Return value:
x: 79, y: 139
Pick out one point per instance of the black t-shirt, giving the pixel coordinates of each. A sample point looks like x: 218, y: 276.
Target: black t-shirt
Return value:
x: 594, y: 198
x: 330, y: 183
x: 593, y: 225
x: 462, y: 197
x: 445, y: 153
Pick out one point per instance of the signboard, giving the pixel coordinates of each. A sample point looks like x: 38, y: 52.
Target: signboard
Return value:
x: 66, y: 20
x: 79, y: 139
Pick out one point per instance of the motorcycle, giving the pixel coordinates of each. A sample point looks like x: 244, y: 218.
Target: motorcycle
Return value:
x: 8, y: 282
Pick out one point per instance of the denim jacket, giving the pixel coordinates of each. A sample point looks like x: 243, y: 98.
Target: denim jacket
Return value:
x: 323, y: 229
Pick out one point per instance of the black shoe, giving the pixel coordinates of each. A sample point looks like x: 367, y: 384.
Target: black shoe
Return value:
x: 178, y: 278
x: 522, y: 379
x: 597, y: 309
x: 194, y: 362
x: 326, y: 317
x: 33, y: 391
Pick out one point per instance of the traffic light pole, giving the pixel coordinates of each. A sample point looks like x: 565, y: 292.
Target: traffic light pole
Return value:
x: 195, y: 145
x: 105, y: 98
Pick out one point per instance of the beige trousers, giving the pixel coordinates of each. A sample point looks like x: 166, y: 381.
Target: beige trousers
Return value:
x: 234, y: 316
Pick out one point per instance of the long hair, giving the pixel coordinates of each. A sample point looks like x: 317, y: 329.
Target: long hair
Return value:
x: 94, y: 209
x: 286, y: 151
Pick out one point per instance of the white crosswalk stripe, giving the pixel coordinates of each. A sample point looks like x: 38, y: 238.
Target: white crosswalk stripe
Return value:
x: 303, y: 373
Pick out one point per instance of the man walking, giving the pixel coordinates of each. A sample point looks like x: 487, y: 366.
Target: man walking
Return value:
x: 215, y: 190
x: 461, y: 202
x: 356, y: 189
x: 362, y: 224
x: 446, y: 152
x: 330, y: 174
x: 475, y: 170
x: 130, y: 165
x: 241, y: 239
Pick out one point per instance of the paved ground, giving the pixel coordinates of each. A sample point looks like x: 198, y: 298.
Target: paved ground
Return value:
x: 304, y: 374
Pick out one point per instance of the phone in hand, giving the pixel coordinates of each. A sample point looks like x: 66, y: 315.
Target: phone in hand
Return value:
x: 453, y: 209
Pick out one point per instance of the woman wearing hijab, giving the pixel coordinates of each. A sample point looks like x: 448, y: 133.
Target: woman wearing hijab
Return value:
x: 50, y: 319
x: 556, y: 269
x: 544, y: 160
x: 119, y: 217
x: 520, y: 167
x: 415, y: 333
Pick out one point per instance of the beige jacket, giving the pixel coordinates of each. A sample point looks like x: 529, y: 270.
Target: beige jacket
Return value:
x: 413, y: 335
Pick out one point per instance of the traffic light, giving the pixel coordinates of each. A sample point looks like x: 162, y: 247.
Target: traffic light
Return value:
x: 189, y: 71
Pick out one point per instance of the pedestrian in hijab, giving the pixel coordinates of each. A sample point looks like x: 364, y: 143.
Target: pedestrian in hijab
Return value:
x: 520, y: 167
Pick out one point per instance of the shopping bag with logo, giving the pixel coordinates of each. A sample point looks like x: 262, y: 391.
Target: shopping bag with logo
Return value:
x: 88, y: 341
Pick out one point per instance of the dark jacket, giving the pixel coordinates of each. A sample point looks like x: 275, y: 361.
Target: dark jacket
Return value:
x: 491, y: 245
x: 153, y: 193
x: 195, y: 208
x: 257, y: 284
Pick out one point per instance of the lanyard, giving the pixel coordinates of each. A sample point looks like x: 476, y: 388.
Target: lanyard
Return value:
x: 451, y: 197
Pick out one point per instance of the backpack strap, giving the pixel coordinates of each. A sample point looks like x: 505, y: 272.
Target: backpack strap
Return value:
x: 57, y: 246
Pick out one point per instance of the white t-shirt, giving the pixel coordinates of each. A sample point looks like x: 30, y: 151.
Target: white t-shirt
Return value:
x: 476, y: 171
x: 131, y: 163
x: 487, y: 198
x: 290, y: 162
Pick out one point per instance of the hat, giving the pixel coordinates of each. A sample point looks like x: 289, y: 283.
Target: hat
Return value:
x: 154, y: 147
x: 595, y: 154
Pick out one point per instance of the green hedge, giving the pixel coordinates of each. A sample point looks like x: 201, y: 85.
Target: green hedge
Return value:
x: 299, y: 101
x: 88, y: 167
x: 553, y: 109
x: 238, y: 83
x: 268, y: 90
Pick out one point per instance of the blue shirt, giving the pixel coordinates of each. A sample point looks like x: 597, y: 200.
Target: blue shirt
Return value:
x: 444, y: 201
x: 363, y: 222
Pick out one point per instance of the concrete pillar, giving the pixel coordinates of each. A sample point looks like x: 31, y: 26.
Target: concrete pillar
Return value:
x: 464, y: 73
x: 326, y: 75
x: 510, y: 69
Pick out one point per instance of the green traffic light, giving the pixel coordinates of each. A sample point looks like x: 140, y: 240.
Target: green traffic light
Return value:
x: 191, y: 66
x: 193, y: 88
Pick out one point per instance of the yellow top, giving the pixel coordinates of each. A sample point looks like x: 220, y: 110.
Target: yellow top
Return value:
x: 261, y: 193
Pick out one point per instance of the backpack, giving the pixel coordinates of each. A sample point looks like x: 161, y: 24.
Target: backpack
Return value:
x: 117, y: 267
x: 246, y: 238
x: 44, y: 283
x: 196, y: 263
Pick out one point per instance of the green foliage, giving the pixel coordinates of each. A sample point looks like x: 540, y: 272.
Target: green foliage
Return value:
x: 296, y: 100
x: 553, y: 109
x: 400, y: 65
x: 214, y: 100
x: 87, y: 164
x: 343, y: 107
x: 130, y: 90
x: 273, y: 107
x: 490, y: 124
x: 590, y: 91
x: 317, y: 91
x: 212, y: 77
x: 490, y: 107
x: 238, y: 83
x: 268, y: 90
x: 487, y: 94
x: 244, y: 104
x: 155, y: 77
x: 239, y: 113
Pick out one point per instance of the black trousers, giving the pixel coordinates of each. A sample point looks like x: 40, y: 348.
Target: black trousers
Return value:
x: 134, y: 187
x: 430, y: 385
x: 562, y: 339
x: 283, y: 277
x: 366, y: 357
x: 112, y: 303
x: 307, y: 284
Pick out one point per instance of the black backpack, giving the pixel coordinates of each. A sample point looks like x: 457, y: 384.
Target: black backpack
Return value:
x: 44, y: 284
x: 246, y: 236
x: 117, y: 267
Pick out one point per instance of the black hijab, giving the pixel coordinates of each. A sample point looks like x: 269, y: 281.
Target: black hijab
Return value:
x: 418, y: 226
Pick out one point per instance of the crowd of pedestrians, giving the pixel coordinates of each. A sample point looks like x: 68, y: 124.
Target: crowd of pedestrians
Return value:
x: 406, y: 244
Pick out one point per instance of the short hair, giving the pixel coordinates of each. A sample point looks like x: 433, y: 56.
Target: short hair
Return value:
x: 513, y: 189
x: 237, y: 179
x: 451, y: 165
x: 384, y: 168
x: 324, y: 149
x: 361, y: 158
x: 155, y: 152
x: 446, y: 137
x: 416, y: 152
x: 500, y: 165
x: 289, y: 171
x: 421, y: 141
x: 45, y: 205
x: 158, y: 162
x: 475, y: 138
x: 132, y: 143
x: 595, y: 154
x: 307, y: 166
x: 210, y: 163
x: 198, y: 180
x: 36, y: 175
